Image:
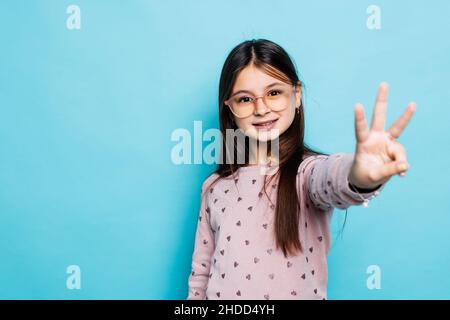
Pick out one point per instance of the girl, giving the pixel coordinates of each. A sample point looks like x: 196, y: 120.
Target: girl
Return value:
x: 268, y: 238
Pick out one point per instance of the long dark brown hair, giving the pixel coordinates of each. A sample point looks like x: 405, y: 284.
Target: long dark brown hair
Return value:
x: 275, y: 61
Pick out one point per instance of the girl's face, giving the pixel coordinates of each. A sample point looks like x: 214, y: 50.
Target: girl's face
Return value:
x: 256, y: 82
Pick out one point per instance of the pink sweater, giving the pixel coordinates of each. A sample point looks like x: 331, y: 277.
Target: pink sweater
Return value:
x: 234, y: 255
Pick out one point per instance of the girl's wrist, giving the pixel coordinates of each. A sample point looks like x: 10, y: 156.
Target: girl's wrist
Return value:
x: 357, y: 187
x: 362, y: 190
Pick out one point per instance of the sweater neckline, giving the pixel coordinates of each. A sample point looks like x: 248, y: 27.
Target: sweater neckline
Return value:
x: 253, y: 168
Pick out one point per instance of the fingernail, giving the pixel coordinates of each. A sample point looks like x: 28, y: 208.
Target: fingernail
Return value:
x: 402, y: 167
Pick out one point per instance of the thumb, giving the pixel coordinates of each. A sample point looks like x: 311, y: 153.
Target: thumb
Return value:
x: 393, y: 168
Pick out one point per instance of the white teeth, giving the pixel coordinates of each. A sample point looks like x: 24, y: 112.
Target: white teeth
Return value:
x: 265, y: 123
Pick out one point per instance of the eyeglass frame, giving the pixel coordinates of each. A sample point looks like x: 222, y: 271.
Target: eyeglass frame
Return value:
x: 255, y: 98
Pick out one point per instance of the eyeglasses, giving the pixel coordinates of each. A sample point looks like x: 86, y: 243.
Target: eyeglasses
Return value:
x: 277, y: 99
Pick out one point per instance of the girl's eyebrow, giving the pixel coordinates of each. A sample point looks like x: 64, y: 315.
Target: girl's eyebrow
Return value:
x: 267, y: 87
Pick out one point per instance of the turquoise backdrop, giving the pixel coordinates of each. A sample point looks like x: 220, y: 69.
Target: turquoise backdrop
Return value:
x: 86, y: 117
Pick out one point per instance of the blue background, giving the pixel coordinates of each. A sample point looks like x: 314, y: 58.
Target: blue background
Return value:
x: 86, y: 118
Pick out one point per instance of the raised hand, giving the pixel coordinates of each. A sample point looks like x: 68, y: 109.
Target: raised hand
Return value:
x: 378, y: 155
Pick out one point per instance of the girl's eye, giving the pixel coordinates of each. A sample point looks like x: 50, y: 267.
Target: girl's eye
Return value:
x: 244, y: 99
x: 274, y: 93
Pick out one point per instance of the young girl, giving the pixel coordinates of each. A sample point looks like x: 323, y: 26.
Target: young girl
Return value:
x: 268, y: 237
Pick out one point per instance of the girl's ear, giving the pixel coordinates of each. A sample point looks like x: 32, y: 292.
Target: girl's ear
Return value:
x: 298, y: 94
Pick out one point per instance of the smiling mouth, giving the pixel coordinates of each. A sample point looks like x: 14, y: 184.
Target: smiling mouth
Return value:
x: 266, y: 124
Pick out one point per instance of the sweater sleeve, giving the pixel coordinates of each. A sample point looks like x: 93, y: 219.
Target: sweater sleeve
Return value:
x: 328, y: 185
x: 203, y: 250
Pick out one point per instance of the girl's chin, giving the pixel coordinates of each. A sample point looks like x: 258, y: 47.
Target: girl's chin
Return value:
x: 263, y: 135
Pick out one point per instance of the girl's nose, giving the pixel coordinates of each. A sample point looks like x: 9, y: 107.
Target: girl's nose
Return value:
x: 260, y: 107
